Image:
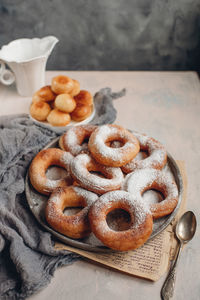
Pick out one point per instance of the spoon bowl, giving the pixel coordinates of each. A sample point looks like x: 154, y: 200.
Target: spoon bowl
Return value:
x: 186, y: 227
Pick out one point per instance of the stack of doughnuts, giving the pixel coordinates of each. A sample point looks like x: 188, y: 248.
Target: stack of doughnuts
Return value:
x: 61, y: 102
x: 104, y: 174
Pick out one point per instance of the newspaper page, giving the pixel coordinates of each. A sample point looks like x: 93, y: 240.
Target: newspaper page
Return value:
x: 150, y: 261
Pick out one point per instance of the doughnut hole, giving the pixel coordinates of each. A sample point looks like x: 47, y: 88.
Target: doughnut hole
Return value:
x: 44, y: 94
x: 84, y: 98
x: 71, y: 211
x: 65, y: 103
x: 115, y: 144
x: 95, y: 169
x: 76, y: 88
x: 62, y: 84
x: 81, y: 112
x: 40, y: 110
x: 118, y: 219
x: 152, y: 196
x: 98, y: 173
x: 56, y: 172
x: 58, y: 118
x: 142, y: 154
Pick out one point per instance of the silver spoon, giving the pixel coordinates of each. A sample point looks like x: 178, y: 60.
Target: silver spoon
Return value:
x: 185, y: 230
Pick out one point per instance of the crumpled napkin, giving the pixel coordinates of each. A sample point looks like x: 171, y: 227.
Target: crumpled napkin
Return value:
x: 27, y: 255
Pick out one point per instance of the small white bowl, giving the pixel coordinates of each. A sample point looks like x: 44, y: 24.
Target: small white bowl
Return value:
x: 60, y: 129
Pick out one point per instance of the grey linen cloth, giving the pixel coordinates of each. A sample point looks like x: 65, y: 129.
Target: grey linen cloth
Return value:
x: 27, y: 255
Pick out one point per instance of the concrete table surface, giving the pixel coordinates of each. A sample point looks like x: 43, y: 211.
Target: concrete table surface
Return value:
x: 165, y: 105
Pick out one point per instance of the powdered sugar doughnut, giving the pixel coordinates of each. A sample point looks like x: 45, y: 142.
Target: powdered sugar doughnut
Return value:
x: 77, y: 225
x: 114, y: 157
x: 157, y: 155
x: 82, y: 166
x: 141, y: 221
x: 74, y: 140
x: 142, y: 180
x: 42, y: 161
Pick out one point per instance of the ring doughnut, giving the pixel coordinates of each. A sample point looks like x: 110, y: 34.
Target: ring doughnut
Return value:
x: 44, y: 94
x: 58, y: 118
x: 62, y: 84
x: 75, y: 226
x: 114, y: 157
x: 157, y: 155
x: 40, y: 110
x: 65, y: 103
x: 81, y: 167
x: 142, y: 180
x: 81, y: 112
x: 76, y: 88
x: 84, y: 98
x: 74, y: 139
x: 141, y: 221
x: 42, y: 161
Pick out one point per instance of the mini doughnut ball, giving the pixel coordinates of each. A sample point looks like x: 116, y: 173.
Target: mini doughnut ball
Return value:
x: 62, y: 84
x: 75, y: 226
x: 109, y: 156
x: 142, y: 180
x: 76, y: 88
x: 58, y: 118
x: 40, y: 110
x: 75, y: 139
x: 141, y: 221
x: 41, y: 162
x: 84, y: 98
x: 44, y: 94
x: 65, y: 103
x: 81, y: 113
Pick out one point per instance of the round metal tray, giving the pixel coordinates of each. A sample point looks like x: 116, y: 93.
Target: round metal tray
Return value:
x: 37, y: 203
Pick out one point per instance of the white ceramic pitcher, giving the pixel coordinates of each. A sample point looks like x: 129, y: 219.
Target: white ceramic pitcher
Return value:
x: 27, y: 59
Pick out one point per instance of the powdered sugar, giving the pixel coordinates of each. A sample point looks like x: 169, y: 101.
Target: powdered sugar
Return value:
x: 144, y: 179
x: 137, y: 209
x: 138, y: 204
x: 91, y: 181
x: 66, y: 159
x: 56, y: 176
x: 52, y: 184
x: 54, y: 173
x: 104, y: 133
x: 156, y: 154
x: 89, y: 197
x: 151, y: 197
x: 74, y: 137
x: 60, y: 199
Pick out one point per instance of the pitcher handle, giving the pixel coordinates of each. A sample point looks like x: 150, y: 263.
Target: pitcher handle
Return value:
x: 7, y: 77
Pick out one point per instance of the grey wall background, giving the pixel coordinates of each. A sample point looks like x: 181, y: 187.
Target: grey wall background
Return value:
x: 109, y: 34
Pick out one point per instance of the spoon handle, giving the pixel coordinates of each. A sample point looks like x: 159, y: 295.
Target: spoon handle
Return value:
x: 167, y: 290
